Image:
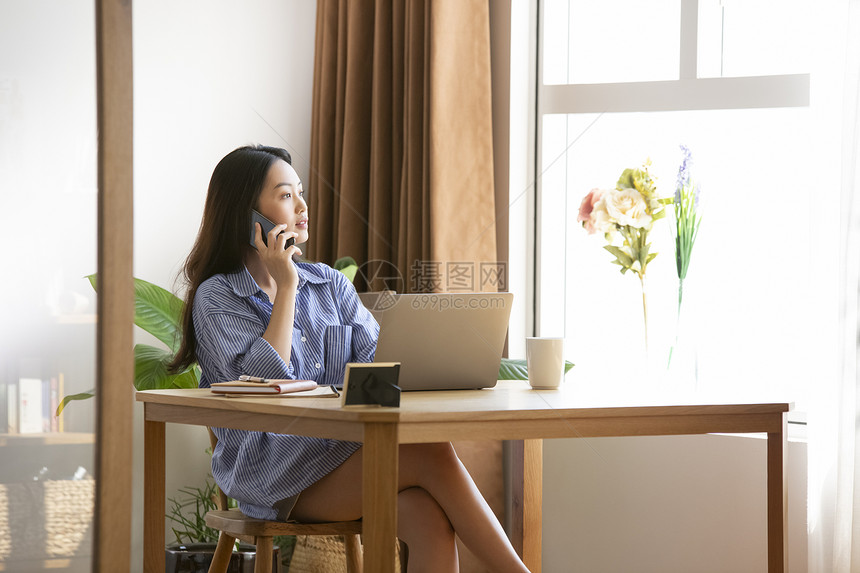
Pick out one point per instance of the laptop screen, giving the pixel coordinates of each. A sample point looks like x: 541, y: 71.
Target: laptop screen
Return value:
x: 444, y: 341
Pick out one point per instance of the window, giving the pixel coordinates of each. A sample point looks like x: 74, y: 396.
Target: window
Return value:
x: 619, y: 83
x: 577, y: 33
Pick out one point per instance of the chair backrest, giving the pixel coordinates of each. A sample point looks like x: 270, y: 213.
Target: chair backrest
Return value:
x: 222, y: 497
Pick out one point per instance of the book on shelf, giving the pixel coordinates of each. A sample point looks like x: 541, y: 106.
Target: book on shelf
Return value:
x: 11, y: 408
x: 61, y: 391
x: 46, y: 406
x: 4, y: 409
x: 30, y: 406
x: 53, y: 419
x: 272, y: 386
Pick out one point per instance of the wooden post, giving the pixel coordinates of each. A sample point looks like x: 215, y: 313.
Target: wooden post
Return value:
x: 114, y: 339
x: 527, y: 493
x: 777, y: 501
x: 379, y: 496
x: 153, y: 496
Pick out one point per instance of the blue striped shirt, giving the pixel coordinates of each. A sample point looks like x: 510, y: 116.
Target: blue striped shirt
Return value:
x: 331, y: 327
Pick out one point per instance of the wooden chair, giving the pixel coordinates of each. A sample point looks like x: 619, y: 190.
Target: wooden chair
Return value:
x: 233, y: 525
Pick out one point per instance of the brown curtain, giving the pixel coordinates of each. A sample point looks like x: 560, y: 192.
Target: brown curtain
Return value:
x: 401, y: 142
x: 401, y: 174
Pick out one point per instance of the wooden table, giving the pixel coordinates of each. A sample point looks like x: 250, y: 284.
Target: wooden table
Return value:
x: 511, y: 411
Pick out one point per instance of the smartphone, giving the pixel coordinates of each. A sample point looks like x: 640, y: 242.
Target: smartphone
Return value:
x: 267, y: 225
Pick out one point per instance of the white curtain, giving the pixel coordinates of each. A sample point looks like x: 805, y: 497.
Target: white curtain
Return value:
x: 834, y: 475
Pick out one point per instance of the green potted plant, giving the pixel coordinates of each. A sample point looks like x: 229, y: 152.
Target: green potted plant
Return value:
x: 195, y: 541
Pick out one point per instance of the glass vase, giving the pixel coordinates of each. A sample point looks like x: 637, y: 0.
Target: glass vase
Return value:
x: 682, y: 366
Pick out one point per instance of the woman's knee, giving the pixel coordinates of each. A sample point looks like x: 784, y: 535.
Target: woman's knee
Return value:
x: 420, y: 461
x: 421, y: 518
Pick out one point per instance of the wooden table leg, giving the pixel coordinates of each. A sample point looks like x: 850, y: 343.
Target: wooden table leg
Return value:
x: 532, y: 502
x: 153, y: 497
x: 777, y: 501
x: 379, y: 496
x: 527, y: 490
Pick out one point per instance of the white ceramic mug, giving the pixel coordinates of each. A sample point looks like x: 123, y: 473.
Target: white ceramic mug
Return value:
x: 545, y: 360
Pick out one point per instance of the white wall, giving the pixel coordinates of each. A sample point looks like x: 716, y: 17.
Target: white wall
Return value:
x: 677, y: 504
x: 209, y: 76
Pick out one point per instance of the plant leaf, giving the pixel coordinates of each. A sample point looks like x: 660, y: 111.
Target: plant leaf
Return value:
x: 156, y: 310
x: 626, y: 180
x: 189, y: 514
x: 150, y: 370
x: 643, y: 255
x: 517, y: 369
x: 347, y: 266
x: 511, y: 369
x: 66, y: 399
x: 344, y: 262
x: 350, y: 272
x: 624, y: 259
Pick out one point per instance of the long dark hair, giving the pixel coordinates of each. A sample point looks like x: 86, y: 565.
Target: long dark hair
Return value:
x: 222, y: 240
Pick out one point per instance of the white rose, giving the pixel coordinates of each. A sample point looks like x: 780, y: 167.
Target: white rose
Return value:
x: 600, y: 221
x: 627, y: 207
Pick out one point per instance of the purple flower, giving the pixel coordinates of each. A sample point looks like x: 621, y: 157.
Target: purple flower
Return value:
x: 683, y: 173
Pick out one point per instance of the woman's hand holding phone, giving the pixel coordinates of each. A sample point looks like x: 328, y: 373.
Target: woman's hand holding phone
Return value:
x: 267, y: 227
x: 277, y: 253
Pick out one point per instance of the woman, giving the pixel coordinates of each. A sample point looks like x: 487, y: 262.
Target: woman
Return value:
x: 254, y: 310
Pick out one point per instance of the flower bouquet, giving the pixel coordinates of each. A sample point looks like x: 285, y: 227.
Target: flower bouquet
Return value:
x: 625, y: 216
x: 685, y: 230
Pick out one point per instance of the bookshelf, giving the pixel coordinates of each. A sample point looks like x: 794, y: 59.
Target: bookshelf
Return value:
x: 46, y: 463
x: 47, y: 439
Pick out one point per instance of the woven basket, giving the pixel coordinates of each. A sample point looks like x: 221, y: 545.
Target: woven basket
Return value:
x: 323, y: 554
x: 46, y: 519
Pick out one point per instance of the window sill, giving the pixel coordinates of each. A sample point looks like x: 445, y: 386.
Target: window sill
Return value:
x: 790, y: 90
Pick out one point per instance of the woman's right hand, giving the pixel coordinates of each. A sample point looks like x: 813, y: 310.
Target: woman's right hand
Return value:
x: 278, y: 260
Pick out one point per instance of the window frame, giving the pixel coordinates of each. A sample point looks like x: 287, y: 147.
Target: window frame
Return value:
x: 687, y: 93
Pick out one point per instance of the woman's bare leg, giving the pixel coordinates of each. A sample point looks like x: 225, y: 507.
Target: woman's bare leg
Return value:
x: 421, y: 523
x: 434, y: 468
x: 428, y: 534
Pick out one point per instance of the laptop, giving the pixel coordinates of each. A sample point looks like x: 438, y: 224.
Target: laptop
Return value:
x: 445, y: 341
